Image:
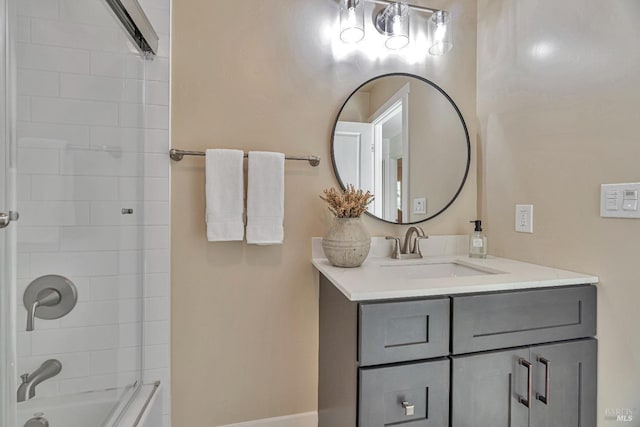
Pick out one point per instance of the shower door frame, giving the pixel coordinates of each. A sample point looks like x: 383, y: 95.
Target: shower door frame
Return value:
x: 8, y: 249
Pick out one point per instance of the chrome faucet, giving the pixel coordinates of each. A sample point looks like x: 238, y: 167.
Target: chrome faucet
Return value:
x: 409, y: 240
x: 411, y: 246
x: 48, y: 369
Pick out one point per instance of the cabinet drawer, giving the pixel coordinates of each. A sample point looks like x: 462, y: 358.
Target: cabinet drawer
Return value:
x: 423, y: 386
x: 486, y: 322
x: 403, y: 331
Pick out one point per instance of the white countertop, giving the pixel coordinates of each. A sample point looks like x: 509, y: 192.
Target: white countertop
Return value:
x: 379, y: 278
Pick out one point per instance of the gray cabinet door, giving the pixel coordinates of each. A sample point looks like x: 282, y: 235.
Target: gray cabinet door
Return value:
x: 403, y: 331
x: 569, y: 389
x: 423, y: 386
x: 486, y: 390
x: 511, y: 319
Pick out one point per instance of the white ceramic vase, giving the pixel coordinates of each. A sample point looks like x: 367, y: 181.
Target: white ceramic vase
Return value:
x: 347, y: 242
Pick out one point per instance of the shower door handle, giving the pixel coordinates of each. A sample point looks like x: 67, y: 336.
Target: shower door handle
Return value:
x: 6, y: 218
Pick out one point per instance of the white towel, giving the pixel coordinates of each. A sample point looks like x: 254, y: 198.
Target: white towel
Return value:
x: 265, y: 198
x: 224, y: 193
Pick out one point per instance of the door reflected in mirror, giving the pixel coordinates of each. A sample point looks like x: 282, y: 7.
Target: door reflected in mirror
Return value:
x: 403, y: 139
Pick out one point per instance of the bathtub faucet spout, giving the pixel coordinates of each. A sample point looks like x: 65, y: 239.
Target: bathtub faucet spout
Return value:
x: 48, y: 369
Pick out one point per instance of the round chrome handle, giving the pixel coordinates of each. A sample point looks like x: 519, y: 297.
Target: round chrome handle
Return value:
x: 49, y: 297
x: 6, y: 218
x: 37, y: 422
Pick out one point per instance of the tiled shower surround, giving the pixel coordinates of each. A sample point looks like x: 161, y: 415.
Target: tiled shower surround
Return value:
x: 93, y: 120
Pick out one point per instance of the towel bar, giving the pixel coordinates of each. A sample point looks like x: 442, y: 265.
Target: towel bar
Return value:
x: 178, y: 155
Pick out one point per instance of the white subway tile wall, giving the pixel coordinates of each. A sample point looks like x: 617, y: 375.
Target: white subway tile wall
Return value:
x: 93, y: 137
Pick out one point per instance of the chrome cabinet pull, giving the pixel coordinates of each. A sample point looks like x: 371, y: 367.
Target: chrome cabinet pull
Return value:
x: 527, y: 402
x: 547, y: 380
x: 409, y: 410
x: 6, y: 218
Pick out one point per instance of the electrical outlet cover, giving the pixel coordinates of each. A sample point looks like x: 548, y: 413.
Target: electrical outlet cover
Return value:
x: 524, y: 218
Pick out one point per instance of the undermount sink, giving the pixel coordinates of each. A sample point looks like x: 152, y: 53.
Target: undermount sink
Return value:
x: 424, y: 270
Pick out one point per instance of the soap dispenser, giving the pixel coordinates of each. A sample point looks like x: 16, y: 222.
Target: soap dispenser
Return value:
x: 477, y: 241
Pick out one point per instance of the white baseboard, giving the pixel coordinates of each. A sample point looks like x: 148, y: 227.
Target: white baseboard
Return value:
x: 307, y: 419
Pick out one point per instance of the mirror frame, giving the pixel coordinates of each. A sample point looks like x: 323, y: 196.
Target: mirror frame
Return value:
x: 464, y: 126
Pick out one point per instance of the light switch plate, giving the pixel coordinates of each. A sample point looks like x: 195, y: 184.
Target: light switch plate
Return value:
x: 524, y: 218
x: 420, y: 206
x: 620, y: 200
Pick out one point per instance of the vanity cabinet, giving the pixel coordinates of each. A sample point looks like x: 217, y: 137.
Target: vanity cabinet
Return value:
x: 383, y: 363
x: 511, y: 358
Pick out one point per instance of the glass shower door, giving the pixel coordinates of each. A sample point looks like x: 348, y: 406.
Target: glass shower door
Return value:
x: 72, y: 164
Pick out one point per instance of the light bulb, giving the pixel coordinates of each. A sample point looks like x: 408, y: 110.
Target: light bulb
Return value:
x: 397, y: 25
x: 351, y: 19
x: 441, y: 31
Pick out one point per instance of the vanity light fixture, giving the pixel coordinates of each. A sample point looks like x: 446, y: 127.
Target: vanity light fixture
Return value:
x: 440, y: 33
x: 393, y: 22
x: 351, y: 20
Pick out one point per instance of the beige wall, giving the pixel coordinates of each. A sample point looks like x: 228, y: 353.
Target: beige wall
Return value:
x: 270, y: 75
x: 437, y: 164
x: 559, y: 108
x: 357, y: 109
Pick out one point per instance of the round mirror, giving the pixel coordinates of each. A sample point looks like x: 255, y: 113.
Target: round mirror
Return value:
x: 402, y: 138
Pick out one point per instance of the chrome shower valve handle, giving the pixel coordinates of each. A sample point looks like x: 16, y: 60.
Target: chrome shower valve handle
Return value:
x: 49, y: 297
x: 46, y: 298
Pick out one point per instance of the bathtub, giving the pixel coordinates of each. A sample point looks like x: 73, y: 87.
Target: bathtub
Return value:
x: 142, y: 408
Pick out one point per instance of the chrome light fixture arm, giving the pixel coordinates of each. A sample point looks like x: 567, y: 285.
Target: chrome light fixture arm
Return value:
x: 410, y: 6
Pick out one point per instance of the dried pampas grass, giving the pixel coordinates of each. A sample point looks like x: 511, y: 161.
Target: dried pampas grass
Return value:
x: 349, y: 203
